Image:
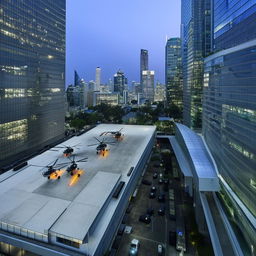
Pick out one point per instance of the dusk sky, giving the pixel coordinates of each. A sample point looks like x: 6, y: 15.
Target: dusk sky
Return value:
x: 110, y: 34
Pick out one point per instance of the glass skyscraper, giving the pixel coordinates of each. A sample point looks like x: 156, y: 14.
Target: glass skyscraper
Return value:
x: 120, y: 82
x: 143, y: 65
x: 32, y: 75
x: 173, y: 72
x: 148, y: 86
x: 196, y: 44
x: 229, y: 116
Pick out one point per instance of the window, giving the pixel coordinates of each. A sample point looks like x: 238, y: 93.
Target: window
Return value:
x: 68, y: 242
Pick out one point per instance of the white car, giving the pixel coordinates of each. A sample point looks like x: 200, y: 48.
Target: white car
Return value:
x: 134, y: 247
x: 160, y: 249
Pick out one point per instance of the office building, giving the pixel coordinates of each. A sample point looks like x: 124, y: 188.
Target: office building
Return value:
x: 32, y: 75
x: 77, y: 96
x: 77, y: 79
x: 148, y: 86
x: 125, y: 97
x: 71, y: 215
x: 196, y: 44
x: 120, y: 82
x: 143, y: 66
x: 160, y: 92
x: 91, y: 85
x: 173, y: 72
x: 229, y: 114
x: 97, y: 79
x: 110, y: 98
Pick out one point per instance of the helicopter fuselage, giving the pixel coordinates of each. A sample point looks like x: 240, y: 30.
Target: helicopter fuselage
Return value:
x: 49, y: 172
x: 101, y: 147
x: 68, y: 151
x: 72, y: 168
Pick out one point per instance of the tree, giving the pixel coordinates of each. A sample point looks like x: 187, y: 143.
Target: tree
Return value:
x: 77, y: 123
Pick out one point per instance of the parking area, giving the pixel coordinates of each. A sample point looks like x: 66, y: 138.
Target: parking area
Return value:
x: 162, y: 173
x: 156, y: 232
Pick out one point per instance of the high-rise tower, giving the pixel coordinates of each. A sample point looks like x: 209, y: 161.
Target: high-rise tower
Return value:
x: 32, y: 75
x: 97, y: 79
x: 229, y: 113
x: 173, y: 72
x: 120, y: 82
x: 148, y: 78
x: 196, y: 44
x: 143, y: 65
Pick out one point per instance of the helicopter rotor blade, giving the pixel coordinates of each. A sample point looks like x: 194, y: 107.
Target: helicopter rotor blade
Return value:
x: 61, y: 164
x: 55, y: 162
x: 120, y: 129
x: 97, y: 139
x: 38, y: 165
x: 93, y: 145
x: 82, y: 160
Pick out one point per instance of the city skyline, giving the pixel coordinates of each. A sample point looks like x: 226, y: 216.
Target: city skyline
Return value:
x: 98, y: 45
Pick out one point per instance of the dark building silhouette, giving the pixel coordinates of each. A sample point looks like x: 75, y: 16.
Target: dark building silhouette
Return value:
x: 120, y: 82
x: 143, y: 65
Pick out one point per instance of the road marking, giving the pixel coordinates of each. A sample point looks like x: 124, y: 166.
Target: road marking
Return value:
x: 144, y: 238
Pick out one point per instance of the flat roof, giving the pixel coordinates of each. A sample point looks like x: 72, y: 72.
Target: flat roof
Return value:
x: 70, y: 205
x: 89, y: 201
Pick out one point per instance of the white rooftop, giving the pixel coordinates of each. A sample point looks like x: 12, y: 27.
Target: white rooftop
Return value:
x: 33, y: 206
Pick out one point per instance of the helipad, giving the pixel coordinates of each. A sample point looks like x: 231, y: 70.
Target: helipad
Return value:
x: 75, y: 212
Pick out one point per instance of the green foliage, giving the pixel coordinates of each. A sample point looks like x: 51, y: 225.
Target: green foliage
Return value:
x: 77, y: 123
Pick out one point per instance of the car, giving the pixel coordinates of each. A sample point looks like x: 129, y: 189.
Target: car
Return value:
x: 160, y: 175
x: 155, y: 175
x: 161, y: 211
x: 160, y: 181
x: 166, y: 181
x: 145, y: 218
x: 150, y: 211
x: 161, y: 198
x: 153, y: 189
x: 134, y: 247
x: 160, y: 249
x: 152, y: 195
x: 146, y: 182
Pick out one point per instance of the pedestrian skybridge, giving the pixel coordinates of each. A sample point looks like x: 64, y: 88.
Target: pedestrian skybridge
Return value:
x: 194, y: 159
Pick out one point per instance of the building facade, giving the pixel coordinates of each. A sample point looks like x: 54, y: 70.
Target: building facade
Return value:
x: 120, y: 82
x: 32, y: 74
x: 196, y: 44
x: 148, y: 78
x: 106, y: 98
x: 173, y: 72
x: 160, y: 92
x: 143, y: 66
x: 229, y: 113
x: 97, y: 79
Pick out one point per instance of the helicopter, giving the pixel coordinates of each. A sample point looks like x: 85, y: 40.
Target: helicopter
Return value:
x: 68, y: 149
x: 73, y: 168
x: 52, y: 171
x: 102, y: 146
x: 117, y: 134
